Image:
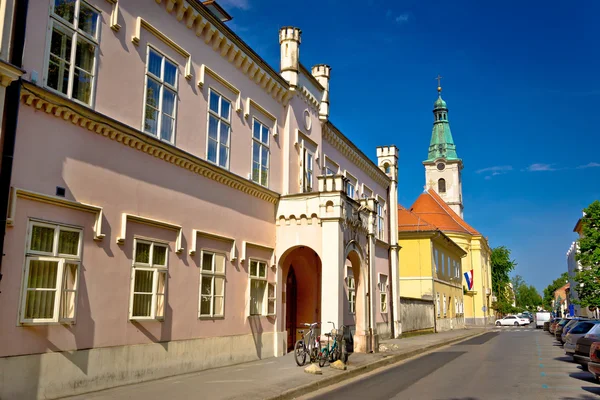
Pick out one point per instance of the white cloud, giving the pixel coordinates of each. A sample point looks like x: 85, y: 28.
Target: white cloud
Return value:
x: 496, y: 170
x: 589, y: 165
x: 241, y: 4
x: 540, y: 167
x: 402, y: 18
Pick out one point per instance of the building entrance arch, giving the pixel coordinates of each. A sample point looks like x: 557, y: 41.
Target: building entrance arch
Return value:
x: 301, y: 267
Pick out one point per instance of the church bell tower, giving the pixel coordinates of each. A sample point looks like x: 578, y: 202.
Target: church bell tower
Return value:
x: 443, y: 167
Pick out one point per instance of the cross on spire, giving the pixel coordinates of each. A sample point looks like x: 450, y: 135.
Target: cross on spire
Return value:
x: 439, y: 79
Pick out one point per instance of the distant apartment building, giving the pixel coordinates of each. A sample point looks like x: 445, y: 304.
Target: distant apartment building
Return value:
x: 176, y: 204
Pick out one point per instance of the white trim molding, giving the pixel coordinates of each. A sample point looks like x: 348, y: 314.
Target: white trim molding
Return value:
x: 251, y: 103
x: 114, y: 15
x: 210, y: 235
x: 142, y: 23
x: 57, y: 201
x: 206, y: 70
x: 152, y: 222
x: 245, y: 244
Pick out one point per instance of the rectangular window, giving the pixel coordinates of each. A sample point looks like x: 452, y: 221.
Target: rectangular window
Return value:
x: 350, y: 282
x: 148, y: 280
x: 435, y: 260
x: 160, y: 97
x: 437, y: 304
x: 445, y: 306
x: 51, y: 274
x: 383, y: 291
x: 367, y: 193
x: 380, y: 219
x: 331, y: 168
x: 351, y: 186
x: 212, y: 285
x: 72, y: 49
x: 262, y: 293
x: 260, y: 153
x: 219, y: 129
x: 308, y: 167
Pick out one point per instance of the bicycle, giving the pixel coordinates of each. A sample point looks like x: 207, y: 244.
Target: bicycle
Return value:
x: 337, y: 350
x: 308, y: 345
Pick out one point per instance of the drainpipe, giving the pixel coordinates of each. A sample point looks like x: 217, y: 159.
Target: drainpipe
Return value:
x: 11, y: 117
x: 391, y: 295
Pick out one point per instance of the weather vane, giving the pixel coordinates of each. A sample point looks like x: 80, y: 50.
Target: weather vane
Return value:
x: 439, y: 79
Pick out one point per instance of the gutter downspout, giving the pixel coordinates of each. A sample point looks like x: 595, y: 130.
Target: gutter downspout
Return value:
x: 11, y: 117
x: 392, y: 295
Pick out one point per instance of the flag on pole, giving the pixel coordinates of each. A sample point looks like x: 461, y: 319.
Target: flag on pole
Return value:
x: 469, y: 279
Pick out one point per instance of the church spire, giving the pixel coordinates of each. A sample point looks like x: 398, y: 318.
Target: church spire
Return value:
x: 441, y: 144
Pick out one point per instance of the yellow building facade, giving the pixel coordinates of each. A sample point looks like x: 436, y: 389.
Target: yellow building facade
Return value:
x: 431, y: 294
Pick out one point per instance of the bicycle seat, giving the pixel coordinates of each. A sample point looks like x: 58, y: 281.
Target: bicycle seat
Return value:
x: 327, y: 334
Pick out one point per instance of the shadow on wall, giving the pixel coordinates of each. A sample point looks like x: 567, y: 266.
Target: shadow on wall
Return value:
x: 257, y: 331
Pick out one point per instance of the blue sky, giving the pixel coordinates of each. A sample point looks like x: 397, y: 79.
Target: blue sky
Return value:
x: 522, y: 82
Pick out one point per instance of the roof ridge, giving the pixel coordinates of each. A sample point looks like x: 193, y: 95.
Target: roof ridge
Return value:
x: 451, y: 212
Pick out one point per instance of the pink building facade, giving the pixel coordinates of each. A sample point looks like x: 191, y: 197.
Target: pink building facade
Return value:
x: 177, y: 205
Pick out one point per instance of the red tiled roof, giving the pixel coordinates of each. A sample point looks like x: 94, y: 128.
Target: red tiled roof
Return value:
x: 411, y: 222
x: 432, y: 208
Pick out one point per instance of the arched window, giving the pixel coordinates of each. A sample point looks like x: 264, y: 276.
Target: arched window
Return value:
x: 442, y: 185
x: 386, y: 168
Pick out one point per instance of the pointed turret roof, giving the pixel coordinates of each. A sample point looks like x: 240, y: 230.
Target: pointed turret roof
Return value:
x: 441, y: 145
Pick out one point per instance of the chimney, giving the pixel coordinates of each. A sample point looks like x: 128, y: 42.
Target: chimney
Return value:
x: 289, y: 40
x: 322, y: 72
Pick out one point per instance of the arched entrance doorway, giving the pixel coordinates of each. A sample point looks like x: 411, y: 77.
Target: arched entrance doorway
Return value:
x: 356, y: 309
x: 302, y: 268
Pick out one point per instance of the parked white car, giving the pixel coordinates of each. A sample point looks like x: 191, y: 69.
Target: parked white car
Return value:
x: 512, y: 320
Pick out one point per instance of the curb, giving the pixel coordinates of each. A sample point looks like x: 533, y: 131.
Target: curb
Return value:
x: 332, y: 380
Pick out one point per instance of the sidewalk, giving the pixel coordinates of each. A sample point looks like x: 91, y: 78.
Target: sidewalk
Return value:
x: 275, y: 378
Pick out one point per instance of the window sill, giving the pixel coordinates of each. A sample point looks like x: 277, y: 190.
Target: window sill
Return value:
x: 211, y: 317
x: 61, y: 94
x: 142, y: 319
x: 46, y: 323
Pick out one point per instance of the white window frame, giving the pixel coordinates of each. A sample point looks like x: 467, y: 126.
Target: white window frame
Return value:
x: 437, y: 303
x: 331, y: 167
x: 351, y: 286
x: 156, y: 270
x: 381, y: 219
x: 61, y: 260
x: 163, y: 85
x: 269, y: 286
x: 383, y: 293
x: 220, y: 120
x: 445, y: 306
x: 261, y: 144
x: 308, y: 170
x: 73, y: 30
x: 352, y: 182
x: 213, y: 275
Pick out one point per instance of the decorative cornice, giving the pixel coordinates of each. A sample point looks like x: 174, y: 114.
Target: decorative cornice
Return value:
x: 57, y: 201
x: 349, y: 150
x: 152, y: 222
x: 9, y: 73
x: 84, y: 117
x: 308, y: 97
x: 142, y: 23
x: 206, y: 70
x: 210, y: 235
x: 232, y: 48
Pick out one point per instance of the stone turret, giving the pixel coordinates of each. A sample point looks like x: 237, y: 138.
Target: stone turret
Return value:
x: 289, y: 40
x: 322, y: 72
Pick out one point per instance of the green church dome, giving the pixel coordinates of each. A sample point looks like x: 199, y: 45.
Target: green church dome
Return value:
x: 439, y: 103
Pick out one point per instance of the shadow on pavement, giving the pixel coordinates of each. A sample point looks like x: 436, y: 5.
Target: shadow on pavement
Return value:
x: 564, y: 358
x: 583, y: 376
x: 592, y: 389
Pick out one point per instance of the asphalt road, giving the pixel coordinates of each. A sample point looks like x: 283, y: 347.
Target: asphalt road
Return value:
x: 504, y: 363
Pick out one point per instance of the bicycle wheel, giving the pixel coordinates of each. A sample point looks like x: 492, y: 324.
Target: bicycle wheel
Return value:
x: 300, y: 353
x: 323, y: 356
x: 314, y: 355
x: 335, y: 354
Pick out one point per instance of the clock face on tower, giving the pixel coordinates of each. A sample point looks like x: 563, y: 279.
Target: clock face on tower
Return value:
x: 441, y: 166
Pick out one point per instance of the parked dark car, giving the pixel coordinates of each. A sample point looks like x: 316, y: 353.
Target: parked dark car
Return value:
x: 559, y: 328
x: 547, y: 326
x: 582, y: 351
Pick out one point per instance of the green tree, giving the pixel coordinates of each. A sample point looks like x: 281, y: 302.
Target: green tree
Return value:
x: 588, y: 279
x: 549, y: 290
x: 502, y: 265
x: 526, y: 296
